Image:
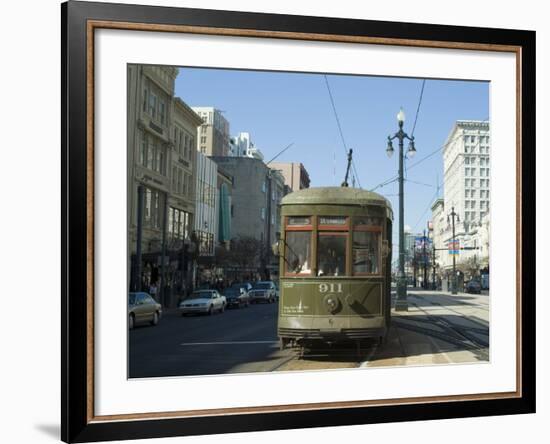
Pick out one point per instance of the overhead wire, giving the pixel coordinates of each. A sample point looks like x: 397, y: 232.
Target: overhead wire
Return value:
x: 340, y: 129
x: 415, y: 119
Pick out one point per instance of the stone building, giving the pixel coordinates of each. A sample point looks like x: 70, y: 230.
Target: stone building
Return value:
x: 150, y: 96
x: 467, y: 190
x: 162, y: 135
x: 181, y: 200
x: 466, y: 165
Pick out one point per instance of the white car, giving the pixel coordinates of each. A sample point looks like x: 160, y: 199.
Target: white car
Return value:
x: 263, y: 291
x: 203, y: 301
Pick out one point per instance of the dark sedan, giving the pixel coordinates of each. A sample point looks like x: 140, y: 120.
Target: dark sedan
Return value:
x: 236, y: 297
x: 473, y: 287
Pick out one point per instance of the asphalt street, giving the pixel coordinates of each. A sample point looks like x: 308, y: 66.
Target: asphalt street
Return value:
x: 239, y: 340
x: 438, y: 328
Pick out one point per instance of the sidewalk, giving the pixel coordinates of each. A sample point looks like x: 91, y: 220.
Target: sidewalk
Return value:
x: 438, y: 328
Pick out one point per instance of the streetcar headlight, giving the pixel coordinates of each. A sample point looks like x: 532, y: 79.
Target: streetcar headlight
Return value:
x: 332, y: 303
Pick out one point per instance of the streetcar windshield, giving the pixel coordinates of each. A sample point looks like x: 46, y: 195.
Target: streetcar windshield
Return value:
x: 366, y: 252
x: 331, y: 250
x: 298, y: 247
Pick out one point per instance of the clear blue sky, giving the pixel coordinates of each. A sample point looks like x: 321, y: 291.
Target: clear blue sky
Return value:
x: 280, y: 108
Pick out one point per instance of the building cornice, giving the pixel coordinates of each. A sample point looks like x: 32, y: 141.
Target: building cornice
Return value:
x: 188, y: 111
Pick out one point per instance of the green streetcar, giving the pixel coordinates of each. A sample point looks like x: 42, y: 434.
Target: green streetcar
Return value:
x: 335, y: 266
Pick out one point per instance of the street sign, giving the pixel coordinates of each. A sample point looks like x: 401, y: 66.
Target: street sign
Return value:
x: 454, y: 246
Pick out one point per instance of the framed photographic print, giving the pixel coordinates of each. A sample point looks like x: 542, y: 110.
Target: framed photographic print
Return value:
x: 275, y: 221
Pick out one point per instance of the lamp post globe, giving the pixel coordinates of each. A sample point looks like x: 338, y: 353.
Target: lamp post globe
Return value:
x: 389, y: 148
x: 412, y: 150
x: 401, y: 116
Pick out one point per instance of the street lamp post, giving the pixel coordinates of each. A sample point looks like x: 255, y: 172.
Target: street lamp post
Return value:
x: 454, y: 289
x: 401, y: 302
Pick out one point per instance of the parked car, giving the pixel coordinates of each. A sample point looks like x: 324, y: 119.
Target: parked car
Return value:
x: 263, y: 291
x: 236, y: 297
x: 473, y: 287
x: 143, y: 308
x: 246, y: 285
x: 203, y: 301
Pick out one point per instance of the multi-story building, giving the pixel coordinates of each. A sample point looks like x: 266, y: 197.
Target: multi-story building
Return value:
x: 439, y: 225
x: 150, y: 96
x: 242, y: 146
x: 213, y: 138
x: 466, y: 163
x: 206, y: 222
x: 295, y: 174
x: 181, y: 200
x: 224, y: 192
x: 257, y: 193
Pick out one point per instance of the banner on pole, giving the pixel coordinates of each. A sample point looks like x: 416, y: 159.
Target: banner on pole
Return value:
x: 454, y: 246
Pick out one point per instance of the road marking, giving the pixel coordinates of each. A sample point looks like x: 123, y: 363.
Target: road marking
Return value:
x: 230, y: 343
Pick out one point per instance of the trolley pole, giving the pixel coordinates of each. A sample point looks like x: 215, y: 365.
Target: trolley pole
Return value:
x: 401, y: 303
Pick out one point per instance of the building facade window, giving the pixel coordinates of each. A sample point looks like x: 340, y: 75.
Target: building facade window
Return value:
x: 179, y: 224
x: 162, y: 112
x: 152, y: 110
x: 152, y: 208
x: 152, y: 154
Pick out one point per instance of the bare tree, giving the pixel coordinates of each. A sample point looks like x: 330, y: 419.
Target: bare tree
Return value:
x: 245, y: 252
x: 469, y: 267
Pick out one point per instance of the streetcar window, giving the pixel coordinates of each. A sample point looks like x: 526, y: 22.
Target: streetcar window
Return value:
x: 332, y: 220
x: 299, y: 220
x: 298, y: 247
x: 367, y: 221
x: 366, y: 252
x: 331, y: 250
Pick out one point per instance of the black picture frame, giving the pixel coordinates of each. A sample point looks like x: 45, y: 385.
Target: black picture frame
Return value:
x: 77, y: 425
